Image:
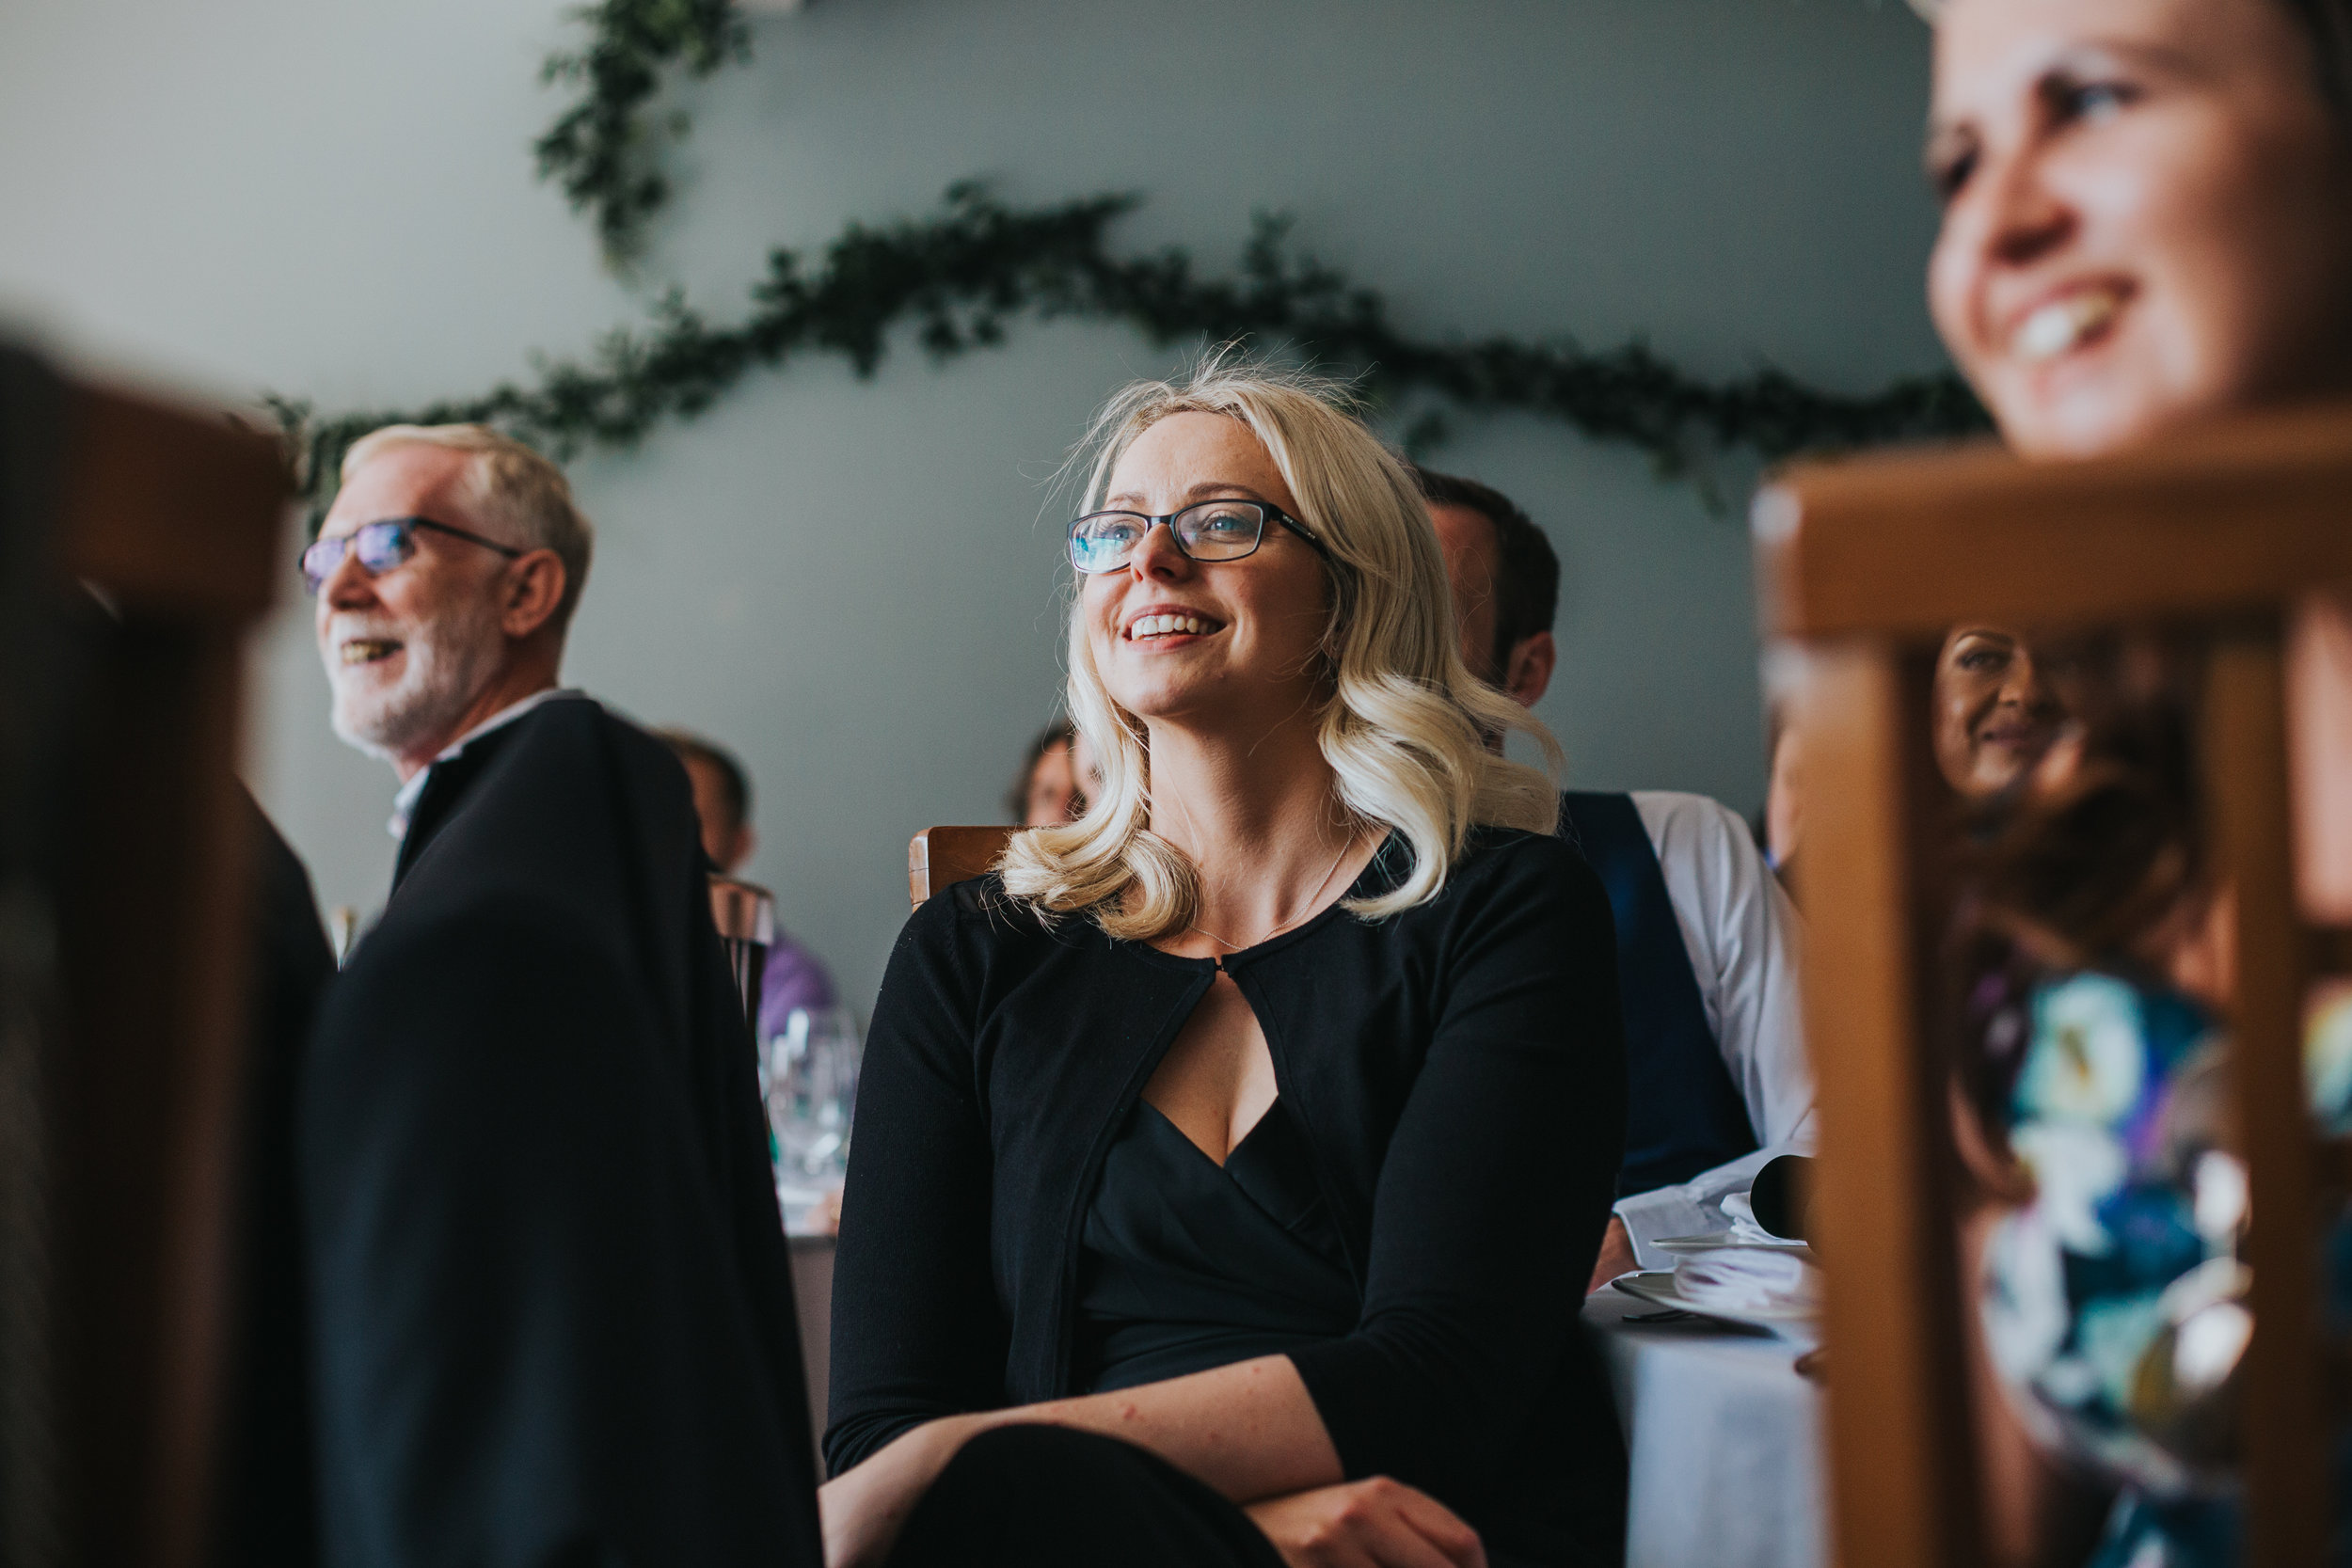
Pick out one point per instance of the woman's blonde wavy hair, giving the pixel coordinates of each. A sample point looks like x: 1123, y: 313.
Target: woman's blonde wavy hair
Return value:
x: 1403, y: 721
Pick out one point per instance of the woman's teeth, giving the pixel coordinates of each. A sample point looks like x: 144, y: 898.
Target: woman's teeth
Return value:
x: 1166, y: 626
x: 2064, y: 324
x: 367, y: 650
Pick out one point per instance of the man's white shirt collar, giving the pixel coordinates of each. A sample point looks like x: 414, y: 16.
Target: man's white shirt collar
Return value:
x: 404, y: 803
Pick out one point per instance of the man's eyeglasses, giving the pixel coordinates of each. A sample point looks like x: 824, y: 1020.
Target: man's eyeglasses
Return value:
x: 1213, y: 531
x: 380, y: 547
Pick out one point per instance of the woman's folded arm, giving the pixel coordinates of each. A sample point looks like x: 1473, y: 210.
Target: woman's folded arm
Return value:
x: 917, y: 1332
x: 1494, y: 1193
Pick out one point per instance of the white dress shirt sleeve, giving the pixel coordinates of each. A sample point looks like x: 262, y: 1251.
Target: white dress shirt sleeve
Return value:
x: 1741, y: 934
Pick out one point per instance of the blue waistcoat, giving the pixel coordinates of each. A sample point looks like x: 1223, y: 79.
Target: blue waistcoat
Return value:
x: 1683, y: 1112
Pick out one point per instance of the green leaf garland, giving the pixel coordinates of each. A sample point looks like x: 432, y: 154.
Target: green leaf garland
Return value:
x: 962, y: 276
x: 602, y: 150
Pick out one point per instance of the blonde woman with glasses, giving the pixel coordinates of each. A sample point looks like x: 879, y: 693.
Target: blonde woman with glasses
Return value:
x: 1231, y: 1163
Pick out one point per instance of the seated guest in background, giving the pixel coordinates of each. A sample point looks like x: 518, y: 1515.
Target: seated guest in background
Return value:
x: 1995, y: 711
x: 795, y: 977
x: 1717, y: 1081
x: 1051, y: 789
x: 1784, y: 795
x: 551, y: 1305
x: 1230, y: 1160
x: 2147, y: 223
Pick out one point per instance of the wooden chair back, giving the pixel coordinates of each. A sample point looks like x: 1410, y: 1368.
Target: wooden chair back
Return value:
x: 123, y: 870
x: 1864, y: 565
x: 942, y: 857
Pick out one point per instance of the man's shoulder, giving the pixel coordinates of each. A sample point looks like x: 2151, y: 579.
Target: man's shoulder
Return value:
x: 1680, y: 816
x: 570, y: 807
x: 571, y: 747
x: 573, y: 719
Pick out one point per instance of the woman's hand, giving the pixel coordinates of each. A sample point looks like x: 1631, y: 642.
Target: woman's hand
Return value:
x: 1365, y: 1524
x: 864, y: 1510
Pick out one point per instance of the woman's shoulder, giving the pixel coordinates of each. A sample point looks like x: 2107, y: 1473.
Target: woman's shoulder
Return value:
x: 1501, y: 866
x: 1497, y: 854
x: 970, y: 942
x: 980, y: 910
x: 978, y: 922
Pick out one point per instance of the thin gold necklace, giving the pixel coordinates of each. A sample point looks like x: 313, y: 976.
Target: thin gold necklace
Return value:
x: 1303, y: 908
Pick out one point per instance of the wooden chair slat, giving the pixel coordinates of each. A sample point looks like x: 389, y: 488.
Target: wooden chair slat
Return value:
x: 942, y: 857
x: 1863, y: 566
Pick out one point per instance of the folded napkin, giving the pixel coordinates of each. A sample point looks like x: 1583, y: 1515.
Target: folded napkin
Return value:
x: 1740, y: 1210
x: 1748, y: 1279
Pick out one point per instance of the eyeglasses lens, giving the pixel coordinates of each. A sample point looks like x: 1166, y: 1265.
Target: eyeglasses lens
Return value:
x: 380, y: 546
x: 1219, y: 531
x: 384, y: 546
x: 1102, y: 542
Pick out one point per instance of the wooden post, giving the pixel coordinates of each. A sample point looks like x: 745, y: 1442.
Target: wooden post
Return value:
x: 1901, y: 1459
x: 2244, y: 755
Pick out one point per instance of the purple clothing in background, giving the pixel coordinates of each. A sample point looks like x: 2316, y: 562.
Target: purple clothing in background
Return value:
x: 795, y: 977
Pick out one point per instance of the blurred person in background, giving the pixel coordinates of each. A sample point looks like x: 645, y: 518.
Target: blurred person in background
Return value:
x: 1996, y: 712
x: 1717, y: 1080
x: 551, y: 1305
x: 794, y: 979
x: 1054, y: 780
x: 1782, y: 827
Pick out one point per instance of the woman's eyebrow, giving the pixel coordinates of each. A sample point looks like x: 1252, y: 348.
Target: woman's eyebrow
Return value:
x: 1208, y: 489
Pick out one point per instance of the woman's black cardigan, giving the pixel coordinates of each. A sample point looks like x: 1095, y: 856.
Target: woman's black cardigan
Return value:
x: 1458, y: 1069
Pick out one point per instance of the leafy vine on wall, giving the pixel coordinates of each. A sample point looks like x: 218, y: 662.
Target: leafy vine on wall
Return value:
x: 605, y: 150
x: 963, y: 275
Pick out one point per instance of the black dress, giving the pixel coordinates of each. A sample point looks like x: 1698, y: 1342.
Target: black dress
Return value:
x: 1413, y: 1227
x: 1189, y: 1264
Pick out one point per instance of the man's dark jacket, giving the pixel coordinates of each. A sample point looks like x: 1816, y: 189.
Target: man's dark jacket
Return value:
x: 552, y: 1301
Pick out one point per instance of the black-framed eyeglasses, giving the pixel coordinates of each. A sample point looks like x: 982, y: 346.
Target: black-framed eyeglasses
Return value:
x: 1210, y: 530
x: 380, y: 546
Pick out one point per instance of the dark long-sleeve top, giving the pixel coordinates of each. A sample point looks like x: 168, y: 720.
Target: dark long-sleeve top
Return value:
x: 1458, y: 1072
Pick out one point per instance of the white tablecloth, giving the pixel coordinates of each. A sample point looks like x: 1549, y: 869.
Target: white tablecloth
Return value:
x: 1725, y: 1443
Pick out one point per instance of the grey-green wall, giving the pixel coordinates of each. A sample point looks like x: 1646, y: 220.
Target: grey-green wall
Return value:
x: 854, y: 583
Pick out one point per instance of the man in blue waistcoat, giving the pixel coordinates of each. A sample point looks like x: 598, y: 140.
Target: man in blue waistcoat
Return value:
x: 1717, y: 1078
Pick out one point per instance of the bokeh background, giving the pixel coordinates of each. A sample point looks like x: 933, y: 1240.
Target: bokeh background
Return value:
x: 853, y: 584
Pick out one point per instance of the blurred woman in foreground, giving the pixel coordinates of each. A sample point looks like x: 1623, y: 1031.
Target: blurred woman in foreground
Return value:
x: 2147, y: 222
x: 1231, y: 1163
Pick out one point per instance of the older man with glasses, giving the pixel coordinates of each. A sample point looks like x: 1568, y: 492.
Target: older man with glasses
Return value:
x: 551, y: 1311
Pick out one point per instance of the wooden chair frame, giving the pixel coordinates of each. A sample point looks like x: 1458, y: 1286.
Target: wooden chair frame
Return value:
x: 942, y: 857
x: 129, y: 1124
x: 1864, y: 566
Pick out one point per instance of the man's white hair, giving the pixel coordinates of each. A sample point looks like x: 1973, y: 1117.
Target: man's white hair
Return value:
x: 513, y: 486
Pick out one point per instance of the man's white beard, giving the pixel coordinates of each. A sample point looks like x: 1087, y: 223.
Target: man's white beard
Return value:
x: 447, y: 663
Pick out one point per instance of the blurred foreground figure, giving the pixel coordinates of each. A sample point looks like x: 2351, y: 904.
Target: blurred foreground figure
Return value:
x: 1716, y: 1077
x: 552, y: 1310
x: 795, y: 980
x: 2147, y: 223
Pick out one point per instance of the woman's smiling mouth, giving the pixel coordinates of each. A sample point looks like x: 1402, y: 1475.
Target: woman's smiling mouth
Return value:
x: 1144, y: 628
x: 2076, y: 318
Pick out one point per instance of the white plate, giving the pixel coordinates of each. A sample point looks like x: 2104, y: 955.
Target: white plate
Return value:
x: 1716, y: 1240
x: 1658, y: 1287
